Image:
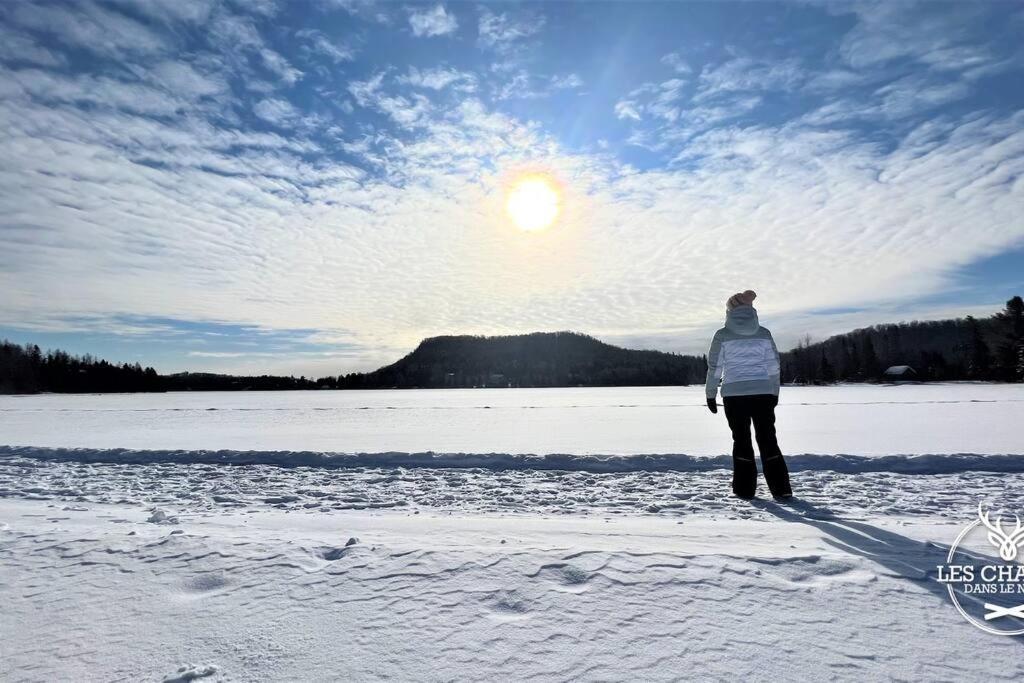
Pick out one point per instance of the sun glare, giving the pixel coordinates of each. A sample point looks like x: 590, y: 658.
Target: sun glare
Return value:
x: 533, y: 203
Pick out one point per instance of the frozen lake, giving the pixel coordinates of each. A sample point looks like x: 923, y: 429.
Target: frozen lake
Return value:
x: 852, y: 419
x: 178, y: 565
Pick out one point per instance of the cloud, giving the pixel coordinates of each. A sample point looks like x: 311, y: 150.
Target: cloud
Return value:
x: 901, y: 99
x: 519, y: 86
x: 365, y: 91
x: 276, y: 111
x: 239, y: 36
x: 662, y: 101
x: 439, y: 78
x: 232, y: 32
x: 885, y: 32
x: 97, y: 91
x: 913, y: 95
x: 502, y: 31
x: 182, y: 78
x: 226, y: 354
x: 675, y: 62
x: 566, y: 82
x: 15, y: 48
x: 627, y: 109
x: 665, y: 103
x: 320, y: 44
x: 268, y: 8
x: 172, y: 11
x: 368, y: 10
x: 92, y: 28
x: 406, y: 111
x: 522, y: 85
x: 744, y: 74
x: 434, y: 21
x: 836, y: 80
x: 279, y: 66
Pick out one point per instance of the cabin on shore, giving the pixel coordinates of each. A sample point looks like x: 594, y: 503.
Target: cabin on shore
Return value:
x: 900, y: 373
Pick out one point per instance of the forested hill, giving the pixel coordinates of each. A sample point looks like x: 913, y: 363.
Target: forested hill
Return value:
x: 968, y: 348
x: 552, y: 359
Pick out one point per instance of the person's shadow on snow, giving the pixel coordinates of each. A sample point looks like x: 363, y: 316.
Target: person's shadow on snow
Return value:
x: 903, y: 557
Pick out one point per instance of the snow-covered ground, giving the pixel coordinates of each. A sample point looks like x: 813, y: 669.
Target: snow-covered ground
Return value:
x: 97, y: 592
x: 855, y: 419
x: 142, y: 537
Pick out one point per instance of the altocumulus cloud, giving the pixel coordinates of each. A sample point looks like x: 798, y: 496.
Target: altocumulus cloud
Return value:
x: 251, y: 167
x: 433, y: 21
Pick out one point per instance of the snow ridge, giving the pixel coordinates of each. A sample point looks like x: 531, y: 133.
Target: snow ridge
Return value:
x: 902, y: 463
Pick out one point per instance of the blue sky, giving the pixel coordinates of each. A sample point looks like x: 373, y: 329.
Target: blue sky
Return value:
x: 312, y: 187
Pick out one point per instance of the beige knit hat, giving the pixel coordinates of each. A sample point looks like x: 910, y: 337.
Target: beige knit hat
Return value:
x: 742, y: 299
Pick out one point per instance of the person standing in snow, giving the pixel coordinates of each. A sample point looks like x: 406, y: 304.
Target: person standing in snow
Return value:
x: 744, y: 359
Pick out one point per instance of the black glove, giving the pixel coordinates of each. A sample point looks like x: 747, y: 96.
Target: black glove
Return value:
x: 712, y: 406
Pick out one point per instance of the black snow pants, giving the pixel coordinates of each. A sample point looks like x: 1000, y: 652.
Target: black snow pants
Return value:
x: 740, y: 411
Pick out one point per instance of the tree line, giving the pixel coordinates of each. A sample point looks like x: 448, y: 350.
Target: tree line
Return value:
x: 961, y: 349
x: 26, y: 370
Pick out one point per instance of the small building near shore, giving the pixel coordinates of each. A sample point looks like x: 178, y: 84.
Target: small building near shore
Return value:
x: 900, y: 373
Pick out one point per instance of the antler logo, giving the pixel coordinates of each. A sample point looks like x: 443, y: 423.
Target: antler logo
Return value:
x: 1007, y: 542
x: 976, y: 580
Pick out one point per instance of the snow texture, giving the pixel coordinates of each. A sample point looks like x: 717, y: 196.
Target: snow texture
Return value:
x: 94, y: 592
x: 143, y: 539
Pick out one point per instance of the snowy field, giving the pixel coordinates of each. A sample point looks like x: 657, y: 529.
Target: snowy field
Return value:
x: 855, y: 419
x: 579, y: 534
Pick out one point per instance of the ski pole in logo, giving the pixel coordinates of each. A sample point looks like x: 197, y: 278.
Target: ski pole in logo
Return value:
x: 995, y: 611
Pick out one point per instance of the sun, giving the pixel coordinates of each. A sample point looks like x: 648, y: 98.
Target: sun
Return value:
x: 533, y: 203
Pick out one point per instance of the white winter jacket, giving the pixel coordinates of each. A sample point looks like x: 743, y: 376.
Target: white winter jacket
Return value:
x: 743, y: 357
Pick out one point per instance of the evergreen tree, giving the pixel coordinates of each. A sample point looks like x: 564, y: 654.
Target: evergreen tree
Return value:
x: 869, y: 363
x: 1011, y: 340
x: 851, y: 367
x: 825, y: 372
x: 980, y: 363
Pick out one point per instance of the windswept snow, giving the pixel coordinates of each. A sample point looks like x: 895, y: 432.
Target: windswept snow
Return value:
x: 204, y: 487
x: 792, y: 594
x: 431, y: 536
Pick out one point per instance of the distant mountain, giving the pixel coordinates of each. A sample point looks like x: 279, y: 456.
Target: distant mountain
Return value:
x: 541, y: 359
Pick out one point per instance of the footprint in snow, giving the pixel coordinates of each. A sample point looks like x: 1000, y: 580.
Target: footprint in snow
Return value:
x: 204, y: 583
x: 190, y: 673
x: 509, y: 605
x: 568, y: 578
x: 331, y: 554
x: 573, y: 575
x: 160, y: 517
